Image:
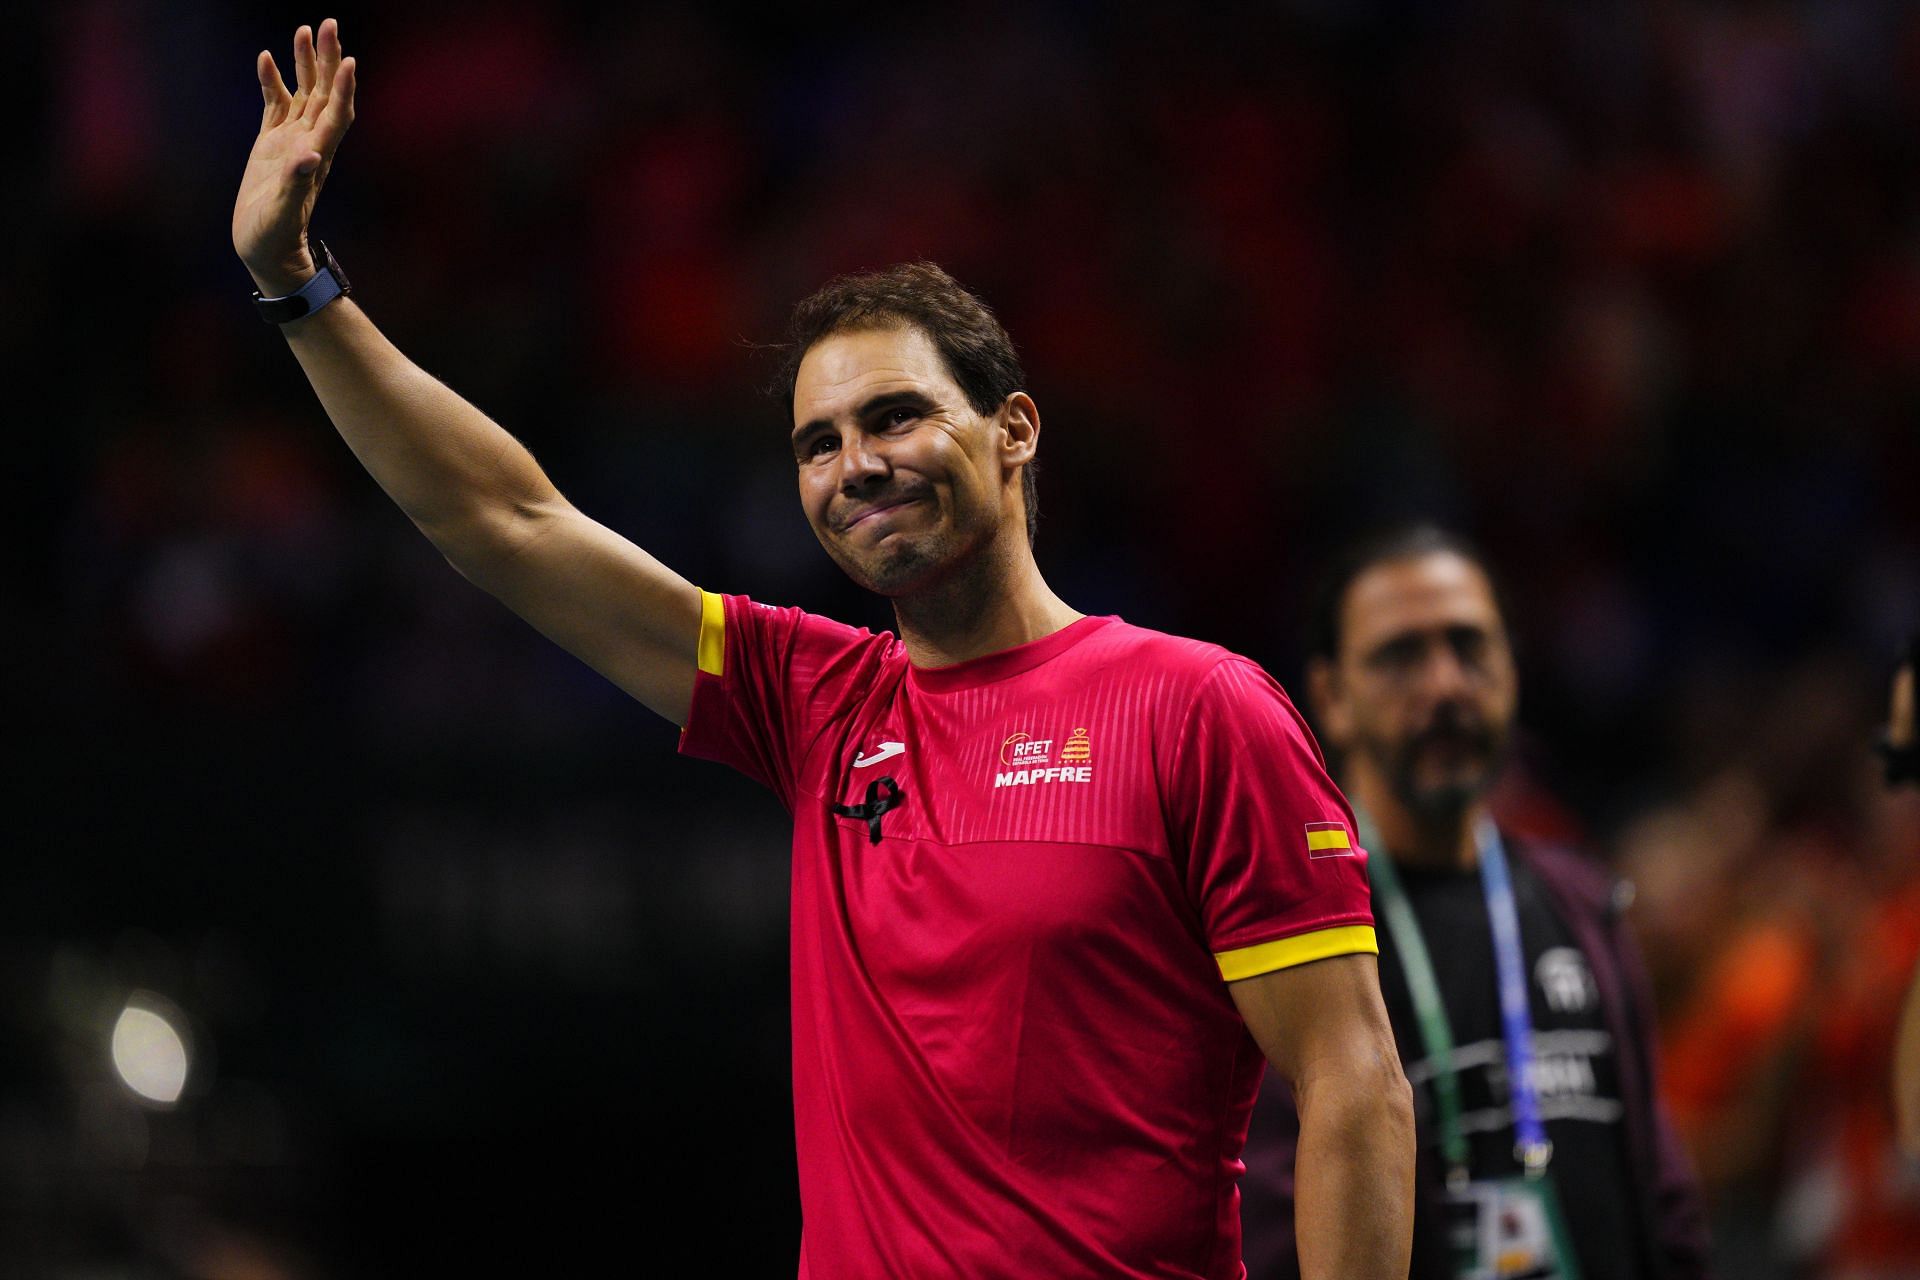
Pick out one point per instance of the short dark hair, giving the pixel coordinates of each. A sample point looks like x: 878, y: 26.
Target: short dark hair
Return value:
x: 1384, y: 546
x: 975, y: 348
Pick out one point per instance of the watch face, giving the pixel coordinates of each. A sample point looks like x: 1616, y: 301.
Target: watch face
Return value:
x: 328, y: 263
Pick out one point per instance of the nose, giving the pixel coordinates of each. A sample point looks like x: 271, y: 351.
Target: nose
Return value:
x: 1444, y: 676
x: 861, y: 464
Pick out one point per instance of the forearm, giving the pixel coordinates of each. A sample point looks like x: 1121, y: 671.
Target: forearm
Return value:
x: 1353, y: 1198
x: 459, y: 475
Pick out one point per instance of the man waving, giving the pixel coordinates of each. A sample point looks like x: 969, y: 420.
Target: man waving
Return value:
x: 1061, y: 885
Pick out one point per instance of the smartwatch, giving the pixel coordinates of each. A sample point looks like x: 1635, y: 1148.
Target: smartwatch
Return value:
x: 328, y: 283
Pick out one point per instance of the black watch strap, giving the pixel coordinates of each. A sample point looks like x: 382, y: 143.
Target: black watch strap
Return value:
x: 328, y: 283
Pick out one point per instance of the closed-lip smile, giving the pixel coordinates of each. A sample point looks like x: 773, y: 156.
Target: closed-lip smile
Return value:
x: 875, y: 510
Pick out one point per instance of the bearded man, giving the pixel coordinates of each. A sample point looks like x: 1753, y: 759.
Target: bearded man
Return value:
x: 1515, y: 990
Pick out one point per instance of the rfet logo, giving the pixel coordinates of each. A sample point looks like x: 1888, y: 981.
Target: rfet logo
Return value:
x: 1030, y: 760
x: 1024, y: 751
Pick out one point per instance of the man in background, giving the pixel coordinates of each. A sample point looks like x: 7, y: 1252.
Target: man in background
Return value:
x: 1516, y: 994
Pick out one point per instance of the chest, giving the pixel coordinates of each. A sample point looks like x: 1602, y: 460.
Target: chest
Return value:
x: 997, y: 766
x: 1454, y: 923
x: 1572, y: 1064
x: 990, y: 831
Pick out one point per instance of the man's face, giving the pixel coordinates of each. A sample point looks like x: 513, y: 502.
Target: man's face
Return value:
x: 900, y: 478
x: 1424, y: 684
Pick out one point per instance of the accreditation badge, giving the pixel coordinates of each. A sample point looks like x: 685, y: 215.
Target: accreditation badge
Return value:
x: 1509, y: 1229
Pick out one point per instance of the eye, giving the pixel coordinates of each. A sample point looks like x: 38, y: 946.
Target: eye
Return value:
x: 900, y: 416
x: 1470, y: 645
x: 821, y: 444
x: 1400, y: 654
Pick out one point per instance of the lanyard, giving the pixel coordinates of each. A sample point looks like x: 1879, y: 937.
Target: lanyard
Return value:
x: 1531, y: 1147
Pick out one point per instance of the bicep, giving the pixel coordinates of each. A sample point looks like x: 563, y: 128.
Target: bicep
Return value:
x: 604, y: 600
x: 1321, y: 1015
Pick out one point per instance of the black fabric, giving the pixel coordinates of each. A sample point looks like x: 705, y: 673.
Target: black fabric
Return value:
x: 1576, y: 1068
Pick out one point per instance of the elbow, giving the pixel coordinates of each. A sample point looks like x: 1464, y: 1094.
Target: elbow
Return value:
x: 1366, y: 1097
x: 1376, y: 1073
x: 1403, y: 1107
x: 1389, y: 1120
x: 1387, y: 1100
x: 1396, y: 1097
x: 484, y: 544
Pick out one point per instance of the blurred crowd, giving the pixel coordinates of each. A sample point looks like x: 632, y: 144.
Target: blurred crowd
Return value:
x: 1631, y: 292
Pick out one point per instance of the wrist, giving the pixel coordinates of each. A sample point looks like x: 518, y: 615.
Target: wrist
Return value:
x: 279, y: 279
x: 326, y: 284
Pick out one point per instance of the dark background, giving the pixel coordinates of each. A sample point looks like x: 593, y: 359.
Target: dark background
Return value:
x: 477, y: 975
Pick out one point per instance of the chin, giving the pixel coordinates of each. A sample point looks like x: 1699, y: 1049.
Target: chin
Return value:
x: 1447, y: 795
x: 897, y: 568
x: 1443, y: 803
x: 909, y: 561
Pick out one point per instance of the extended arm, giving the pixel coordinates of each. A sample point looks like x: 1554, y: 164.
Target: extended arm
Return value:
x: 1322, y: 1025
x: 469, y: 485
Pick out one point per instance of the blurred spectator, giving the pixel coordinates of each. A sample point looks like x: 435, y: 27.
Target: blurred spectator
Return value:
x: 1780, y: 904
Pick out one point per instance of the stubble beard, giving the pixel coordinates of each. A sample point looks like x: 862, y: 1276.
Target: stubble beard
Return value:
x: 1442, y: 804
x: 905, y: 563
x: 896, y: 568
x: 918, y: 561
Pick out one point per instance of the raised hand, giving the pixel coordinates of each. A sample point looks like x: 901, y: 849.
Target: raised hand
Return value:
x: 299, y: 132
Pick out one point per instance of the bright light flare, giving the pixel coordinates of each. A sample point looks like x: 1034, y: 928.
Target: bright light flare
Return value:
x: 149, y: 1053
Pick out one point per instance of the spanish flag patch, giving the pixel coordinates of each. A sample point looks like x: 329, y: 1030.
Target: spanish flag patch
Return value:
x: 1329, y: 840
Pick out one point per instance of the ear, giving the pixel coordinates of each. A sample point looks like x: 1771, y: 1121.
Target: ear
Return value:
x: 1020, y: 417
x: 1329, y: 706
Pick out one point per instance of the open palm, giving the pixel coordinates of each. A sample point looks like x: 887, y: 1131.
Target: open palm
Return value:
x: 299, y: 133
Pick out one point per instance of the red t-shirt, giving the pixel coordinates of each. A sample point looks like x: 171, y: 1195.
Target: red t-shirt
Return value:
x: 1014, y: 1053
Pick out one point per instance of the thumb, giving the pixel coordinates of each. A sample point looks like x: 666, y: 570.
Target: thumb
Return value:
x: 305, y: 166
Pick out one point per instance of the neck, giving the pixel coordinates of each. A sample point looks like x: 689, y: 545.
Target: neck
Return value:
x: 1449, y: 843
x: 995, y: 600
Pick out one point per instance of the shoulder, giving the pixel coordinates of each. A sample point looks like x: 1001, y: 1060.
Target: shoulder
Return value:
x: 1185, y: 663
x: 1211, y: 699
x: 1194, y: 685
x: 801, y: 652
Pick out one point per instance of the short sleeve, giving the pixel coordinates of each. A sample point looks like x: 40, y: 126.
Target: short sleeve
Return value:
x: 1272, y: 865
x: 769, y: 679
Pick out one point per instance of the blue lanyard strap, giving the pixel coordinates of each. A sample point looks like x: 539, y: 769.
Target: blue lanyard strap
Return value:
x: 1531, y: 1147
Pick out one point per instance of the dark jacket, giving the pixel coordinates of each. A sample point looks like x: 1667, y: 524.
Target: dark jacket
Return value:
x: 1668, y: 1202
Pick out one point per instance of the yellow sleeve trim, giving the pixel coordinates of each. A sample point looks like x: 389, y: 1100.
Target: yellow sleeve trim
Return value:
x: 711, y: 653
x: 1284, y: 953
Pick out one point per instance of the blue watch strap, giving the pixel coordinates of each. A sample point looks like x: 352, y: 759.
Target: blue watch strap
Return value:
x: 328, y: 283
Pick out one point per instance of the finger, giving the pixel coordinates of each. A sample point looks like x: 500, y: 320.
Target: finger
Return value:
x: 340, y: 101
x: 273, y: 90
x: 327, y: 51
x: 271, y: 84
x: 303, y: 59
x: 327, y: 43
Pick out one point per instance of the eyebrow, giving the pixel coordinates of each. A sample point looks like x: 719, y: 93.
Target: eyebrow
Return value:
x: 1400, y: 641
x: 877, y: 405
x: 1450, y: 633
